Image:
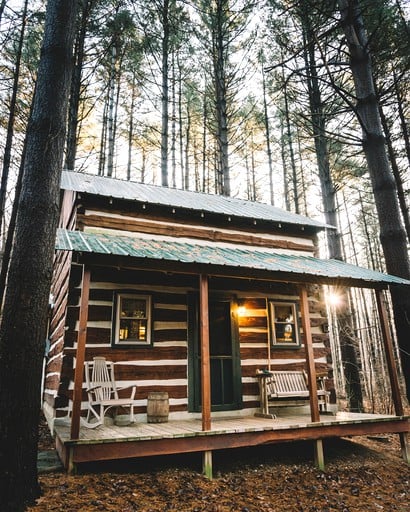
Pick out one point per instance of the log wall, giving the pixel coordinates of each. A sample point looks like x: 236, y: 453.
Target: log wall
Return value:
x: 164, y: 365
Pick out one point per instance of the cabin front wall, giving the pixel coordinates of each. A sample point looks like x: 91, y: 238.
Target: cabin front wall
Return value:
x: 167, y: 364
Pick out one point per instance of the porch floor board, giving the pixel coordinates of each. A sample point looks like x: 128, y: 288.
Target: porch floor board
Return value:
x: 175, y: 429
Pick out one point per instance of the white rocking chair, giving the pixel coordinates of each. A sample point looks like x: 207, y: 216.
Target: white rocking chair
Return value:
x: 103, y: 393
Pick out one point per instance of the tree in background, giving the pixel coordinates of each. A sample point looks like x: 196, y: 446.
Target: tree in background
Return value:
x: 225, y: 23
x: 392, y: 233
x: 23, y: 323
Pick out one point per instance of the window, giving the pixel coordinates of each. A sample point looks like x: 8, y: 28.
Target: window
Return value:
x: 133, y: 320
x: 284, y: 324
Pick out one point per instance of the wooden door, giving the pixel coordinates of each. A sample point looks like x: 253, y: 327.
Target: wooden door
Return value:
x: 226, y: 388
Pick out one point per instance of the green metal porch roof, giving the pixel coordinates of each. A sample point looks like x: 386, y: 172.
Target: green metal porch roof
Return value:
x: 295, y: 267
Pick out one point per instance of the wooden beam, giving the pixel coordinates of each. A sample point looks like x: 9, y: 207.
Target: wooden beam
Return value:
x: 80, y: 355
x: 310, y: 359
x: 205, y: 362
x: 128, y: 448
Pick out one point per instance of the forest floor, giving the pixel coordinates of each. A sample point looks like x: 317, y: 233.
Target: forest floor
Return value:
x: 363, y: 473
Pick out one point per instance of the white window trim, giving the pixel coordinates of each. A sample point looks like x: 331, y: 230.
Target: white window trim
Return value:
x: 123, y: 343
x: 295, y: 322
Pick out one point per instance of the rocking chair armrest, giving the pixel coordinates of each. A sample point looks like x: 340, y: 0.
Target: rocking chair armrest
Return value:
x: 133, y: 387
x: 93, y: 388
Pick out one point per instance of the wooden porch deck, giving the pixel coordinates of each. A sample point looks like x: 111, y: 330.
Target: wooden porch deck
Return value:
x: 143, y: 439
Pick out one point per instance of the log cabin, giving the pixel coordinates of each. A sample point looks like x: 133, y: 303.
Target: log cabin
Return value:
x: 195, y: 297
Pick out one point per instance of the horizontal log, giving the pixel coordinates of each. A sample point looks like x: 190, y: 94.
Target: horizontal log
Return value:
x: 110, y: 274
x: 253, y: 337
x: 170, y: 335
x: 57, y: 348
x: 179, y: 230
x: 139, y: 354
x: 257, y: 303
x: 55, y: 365
x: 250, y: 370
x: 253, y: 321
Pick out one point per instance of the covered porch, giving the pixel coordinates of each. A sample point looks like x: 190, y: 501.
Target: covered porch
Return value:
x: 209, y: 431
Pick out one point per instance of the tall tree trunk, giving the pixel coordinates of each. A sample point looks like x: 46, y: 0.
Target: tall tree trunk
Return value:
x: 23, y: 324
x: 284, y: 164
x: 289, y: 142
x: 2, y: 6
x: 111, y: 109
x: 165, y: 94
x: 267, y: 136
x: 392, y: 233
x: 131, y: 126
x: 75, y: 92
x: 402, y: 116
x: 187, y: 145
x: 401, y: 194
x: 103, y: 142
x: 347, y: 339
x: 10, y: 123
x: 173, y: 124
x: 221, y: 99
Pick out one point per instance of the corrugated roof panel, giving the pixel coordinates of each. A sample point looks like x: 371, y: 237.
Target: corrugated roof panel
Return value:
x: 217, y: 255
x: 211, y: 203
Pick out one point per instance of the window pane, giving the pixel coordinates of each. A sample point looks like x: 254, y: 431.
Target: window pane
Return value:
x: 136, y: 308
x: 133, y: 330
x: 284, y: 324
x: 283, y: 313
x: 285, y: 333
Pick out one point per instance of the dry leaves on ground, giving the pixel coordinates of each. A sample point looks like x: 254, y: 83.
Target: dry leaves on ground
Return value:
x: 362, y: 474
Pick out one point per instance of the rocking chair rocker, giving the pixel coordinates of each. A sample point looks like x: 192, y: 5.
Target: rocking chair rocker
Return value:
x: 103, y: 393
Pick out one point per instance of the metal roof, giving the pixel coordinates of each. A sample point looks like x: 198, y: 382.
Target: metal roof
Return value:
x: 228, y: 256
x: 172, y: 197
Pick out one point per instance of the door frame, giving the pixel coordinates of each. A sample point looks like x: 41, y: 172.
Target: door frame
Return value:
x: 194, y: 390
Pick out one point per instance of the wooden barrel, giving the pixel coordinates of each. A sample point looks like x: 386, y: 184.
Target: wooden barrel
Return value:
x: 157, y: 407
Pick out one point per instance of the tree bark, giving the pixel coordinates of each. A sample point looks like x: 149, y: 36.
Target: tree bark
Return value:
x: 23, y: 325
x: 347, y: 339
x: 11, y: 120
x: 392, y: 233
x: 165, y: 94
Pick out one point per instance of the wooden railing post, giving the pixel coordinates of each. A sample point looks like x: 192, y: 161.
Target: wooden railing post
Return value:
x: 310, y: 358
x: 80, y: 355
x: 205, y: 362
x: 311, y: 370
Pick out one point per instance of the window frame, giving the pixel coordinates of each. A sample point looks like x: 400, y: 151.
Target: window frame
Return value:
x: 128, y: 343
x: 295, y: 322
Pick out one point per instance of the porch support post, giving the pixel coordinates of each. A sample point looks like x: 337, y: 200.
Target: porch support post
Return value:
x: 80, y: 355
x: 311, y: 370
x: 310, y: 359
x: 205, y: 363
x: 392, y: 369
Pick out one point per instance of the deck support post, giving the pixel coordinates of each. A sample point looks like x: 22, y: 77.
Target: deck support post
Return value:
x: 392, y: 369
x: 204, y: 341
x: 319, y: 455
x: 207, y: 464
x: 80, y: 355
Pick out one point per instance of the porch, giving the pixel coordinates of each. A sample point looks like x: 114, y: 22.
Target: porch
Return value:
x: 183, y: 436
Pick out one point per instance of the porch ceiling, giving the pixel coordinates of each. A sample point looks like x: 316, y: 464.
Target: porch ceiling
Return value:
x: 231, y: 258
